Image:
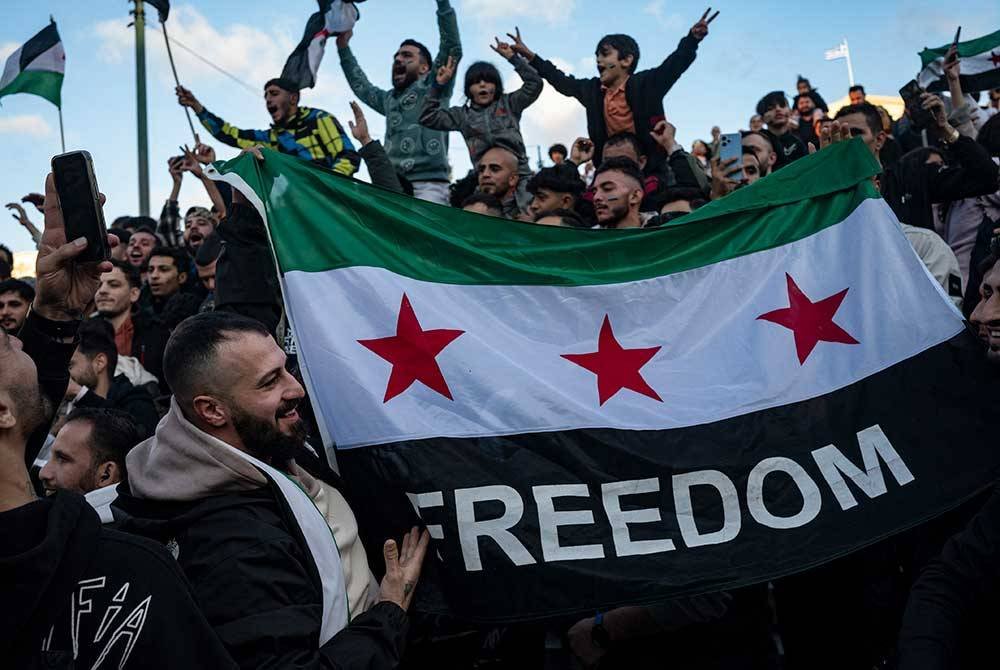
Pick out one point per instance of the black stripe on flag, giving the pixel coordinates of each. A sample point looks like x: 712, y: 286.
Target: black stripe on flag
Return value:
x: 982, y: 81
x: 162, y: 6
x: 539, y: 525
x: 46, y: 38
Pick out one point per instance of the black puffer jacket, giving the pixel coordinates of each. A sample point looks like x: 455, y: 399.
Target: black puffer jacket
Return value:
x: 257, y: 584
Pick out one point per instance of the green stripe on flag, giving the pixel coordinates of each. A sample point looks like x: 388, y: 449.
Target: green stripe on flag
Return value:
x: 321, y: 221
x: 44, y: 83
x: 965, y: 49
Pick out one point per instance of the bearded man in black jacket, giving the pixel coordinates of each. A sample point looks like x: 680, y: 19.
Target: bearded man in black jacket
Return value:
x: 76, y: 594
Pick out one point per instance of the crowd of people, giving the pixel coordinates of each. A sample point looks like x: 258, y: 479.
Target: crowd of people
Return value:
x: 157, y: 485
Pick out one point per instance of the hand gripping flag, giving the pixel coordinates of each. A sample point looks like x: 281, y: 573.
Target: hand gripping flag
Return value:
x: 592, y: 418
x: 333, y: 18
x: 980, y: 65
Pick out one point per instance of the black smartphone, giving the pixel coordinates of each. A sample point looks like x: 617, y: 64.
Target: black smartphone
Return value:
x: 79, y: 199
x: 920, y: 118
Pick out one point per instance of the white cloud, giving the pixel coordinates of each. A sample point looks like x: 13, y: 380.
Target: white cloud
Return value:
x: 26, y: 124
x: 6, y: 49
x: 657, y: 9
x: 553, y: 11
x: 249, y: 53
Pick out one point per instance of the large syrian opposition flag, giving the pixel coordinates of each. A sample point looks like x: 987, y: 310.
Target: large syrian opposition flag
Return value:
x: 980, y: 66
x: 36, y: 67
x: 333, y: 18
x: 592, y: 418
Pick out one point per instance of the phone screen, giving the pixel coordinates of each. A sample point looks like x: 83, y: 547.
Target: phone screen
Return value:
x: 78, y: 198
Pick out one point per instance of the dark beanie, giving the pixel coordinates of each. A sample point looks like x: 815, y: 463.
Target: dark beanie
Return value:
x: 283, y: 83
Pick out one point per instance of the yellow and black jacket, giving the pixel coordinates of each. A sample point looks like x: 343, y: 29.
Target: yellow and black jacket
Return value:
x: 312, y: 135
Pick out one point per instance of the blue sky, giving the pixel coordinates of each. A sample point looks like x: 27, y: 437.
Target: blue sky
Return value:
x: 753, y: 48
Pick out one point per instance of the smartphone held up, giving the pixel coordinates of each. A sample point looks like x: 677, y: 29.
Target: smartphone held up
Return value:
x: 79, y: 199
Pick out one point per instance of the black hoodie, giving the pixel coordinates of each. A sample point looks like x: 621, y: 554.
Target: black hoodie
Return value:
x: 76, y: 594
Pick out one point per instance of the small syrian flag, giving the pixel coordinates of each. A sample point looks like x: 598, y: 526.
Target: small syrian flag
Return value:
x: 333, y: 18
x: 37, y: 67
x: 980, y: 69
x: 594, y: 418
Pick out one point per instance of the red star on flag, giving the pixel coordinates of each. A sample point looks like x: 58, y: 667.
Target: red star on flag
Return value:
x: 995, y: 58
x: 616, y: 368
x: 811, y: 322
x: 413, y: 352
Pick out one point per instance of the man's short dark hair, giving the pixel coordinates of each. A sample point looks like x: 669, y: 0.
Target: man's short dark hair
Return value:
x: 626, y: 166
x: 189, y: 357
x: 208, y: 251
x: 558, y: 149
x: 123, y: 235
x: 5, y: 250
x: 112, y: 434
x: 483, y: 71
x: 425, y: 53
x: 856, y: 87
x: 625, y: 46
x: 568, y: 217
x: 772, y: 98
x: 284, y: 83
x: 179, y: 256
x: 491, y: 201
x: 558, y: 179
x: 131, y: 273
x: 767, y: 135
x: 137, y: 223
x: 97, y: 336
x: 625, y: 137
x: 22, y: 289
x: 872, y: 117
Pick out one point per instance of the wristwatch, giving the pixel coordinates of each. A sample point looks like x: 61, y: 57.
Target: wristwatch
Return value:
x: 599, y: 634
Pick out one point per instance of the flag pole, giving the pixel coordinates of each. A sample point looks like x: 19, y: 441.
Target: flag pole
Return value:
x: 62, y: 137
x: 173, y: 68
x: 140, y: 103
x: 850, y: 70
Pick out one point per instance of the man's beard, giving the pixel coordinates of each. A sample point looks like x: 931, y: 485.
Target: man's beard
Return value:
x: 263, y: 439
x: 618, y: 214
x: 408, y: 78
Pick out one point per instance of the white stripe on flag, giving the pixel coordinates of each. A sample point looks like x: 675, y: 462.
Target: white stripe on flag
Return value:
x: 52, y: 59
x: 717, y: 360
x: 11, y: 69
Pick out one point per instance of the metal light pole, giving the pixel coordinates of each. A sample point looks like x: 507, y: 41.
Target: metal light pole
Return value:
x: 140, y: 107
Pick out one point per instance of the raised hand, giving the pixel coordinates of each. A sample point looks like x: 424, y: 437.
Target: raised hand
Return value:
x: 519, y: 46
x: 204, y: 153
x: 832, y: 133
x: 18, y: 213
x: 402, y: 567
x: 952, y: 64
x: 64, y: 288
x: 190, y: 163
x: 935, y: 106
x: 175, y: 166
x: 36, y: 199
x: 359, y: 126
x: 722, y: 177
x: 700, y: 29
x: 581, y: 151
x: 446, y: 71
x: 503, y: 48
x: 665, y: 134
x: 185, y: 98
